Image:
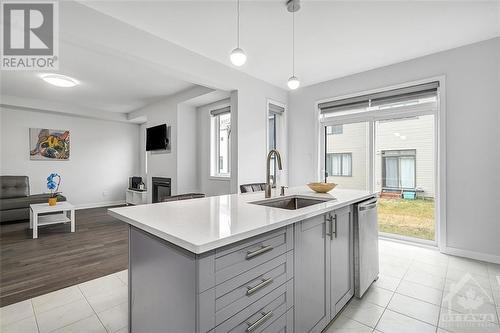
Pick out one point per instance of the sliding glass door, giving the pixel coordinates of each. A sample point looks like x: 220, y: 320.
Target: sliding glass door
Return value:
x: 386, y: 143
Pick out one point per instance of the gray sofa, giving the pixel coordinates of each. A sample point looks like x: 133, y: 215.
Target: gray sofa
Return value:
x: 15, y: 198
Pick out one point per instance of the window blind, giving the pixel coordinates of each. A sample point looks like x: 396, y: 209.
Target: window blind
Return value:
x: 273, y: 108
x: 380, y: 98
x: 218, y: 112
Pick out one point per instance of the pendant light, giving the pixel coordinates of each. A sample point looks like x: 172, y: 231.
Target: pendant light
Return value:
x: 293, y: 82
x: 238, y: 56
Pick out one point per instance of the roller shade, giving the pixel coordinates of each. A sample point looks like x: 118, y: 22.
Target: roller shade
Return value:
x: 220, y: 111
x: 273, y: 108
x: 384, y: 97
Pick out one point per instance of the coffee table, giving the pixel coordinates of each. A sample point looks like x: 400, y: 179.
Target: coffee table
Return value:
x: 62, y: 212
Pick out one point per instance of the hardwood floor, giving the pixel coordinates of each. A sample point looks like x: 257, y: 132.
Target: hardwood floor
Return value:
x: 58, y: 258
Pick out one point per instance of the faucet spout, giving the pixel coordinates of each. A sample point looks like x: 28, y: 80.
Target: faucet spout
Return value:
x: 268, y: 169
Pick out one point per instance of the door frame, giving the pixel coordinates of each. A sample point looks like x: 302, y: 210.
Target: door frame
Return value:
x: 371, y: 117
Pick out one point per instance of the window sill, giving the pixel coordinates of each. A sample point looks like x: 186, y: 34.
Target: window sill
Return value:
x: 220, y: 178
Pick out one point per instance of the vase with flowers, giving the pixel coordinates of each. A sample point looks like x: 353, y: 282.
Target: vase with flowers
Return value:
x: 53, y: 182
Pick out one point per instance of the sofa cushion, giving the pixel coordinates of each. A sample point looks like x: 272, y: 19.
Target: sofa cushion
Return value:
x: 25, y: 202
x: 14, y: 186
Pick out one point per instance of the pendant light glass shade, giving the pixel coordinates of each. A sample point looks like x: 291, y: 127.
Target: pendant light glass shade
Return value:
x: 238, y: 57
x: 293, y: 82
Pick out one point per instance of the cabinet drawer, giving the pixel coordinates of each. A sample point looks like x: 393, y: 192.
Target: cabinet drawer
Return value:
x: 261, y: 312
x: 237, y: 293
x: 236, y: 259
x: 283, y: 324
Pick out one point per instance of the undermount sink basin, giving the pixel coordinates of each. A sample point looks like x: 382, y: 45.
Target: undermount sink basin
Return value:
x: 291, y: 202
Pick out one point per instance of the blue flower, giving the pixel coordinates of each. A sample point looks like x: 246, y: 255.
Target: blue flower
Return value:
x: 51, y: 185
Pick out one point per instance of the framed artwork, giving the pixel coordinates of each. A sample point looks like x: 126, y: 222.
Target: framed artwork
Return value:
x: 49, y: 144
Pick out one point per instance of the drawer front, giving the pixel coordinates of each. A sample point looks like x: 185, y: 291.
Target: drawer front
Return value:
x: 236, y: 259
x: 283, y: 324
x: 237, y: 293
x: 258, y: 315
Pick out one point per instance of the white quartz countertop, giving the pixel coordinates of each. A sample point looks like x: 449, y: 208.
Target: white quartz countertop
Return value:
x: 200, y: 225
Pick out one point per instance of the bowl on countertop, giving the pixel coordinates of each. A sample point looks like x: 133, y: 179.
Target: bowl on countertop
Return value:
x: 321, y: 187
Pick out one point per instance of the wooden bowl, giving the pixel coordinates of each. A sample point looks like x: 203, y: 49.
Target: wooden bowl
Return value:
x: 322, y: 187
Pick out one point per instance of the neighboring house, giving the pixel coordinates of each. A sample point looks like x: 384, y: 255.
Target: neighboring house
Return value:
x: 404, y: 155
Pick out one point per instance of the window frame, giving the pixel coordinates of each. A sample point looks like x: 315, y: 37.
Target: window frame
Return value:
x: 403, y: 153
x: 215, y: 147
x: 280, y: 140
x: 341, y: 164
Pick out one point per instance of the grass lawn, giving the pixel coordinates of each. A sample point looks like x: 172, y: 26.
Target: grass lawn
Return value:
x: 413, y: 218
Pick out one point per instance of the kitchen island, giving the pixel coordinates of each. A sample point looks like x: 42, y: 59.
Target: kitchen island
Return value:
x: 239, y: 263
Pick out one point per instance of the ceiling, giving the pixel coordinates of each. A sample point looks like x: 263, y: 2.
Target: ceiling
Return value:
x: 333, y: 38
x: 117, y: 86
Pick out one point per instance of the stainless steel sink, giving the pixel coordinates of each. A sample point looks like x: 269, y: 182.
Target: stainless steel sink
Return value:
x: 292, y: 202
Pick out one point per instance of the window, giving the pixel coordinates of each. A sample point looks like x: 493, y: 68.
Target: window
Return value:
x: 398, y: 169
x: 274, y: 135
x: 339, y: 164
x: 221, y: 151
x: 334, y: 129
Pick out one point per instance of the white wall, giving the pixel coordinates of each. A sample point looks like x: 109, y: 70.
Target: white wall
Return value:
x: 104, y: 154
x: 472, y: 135
x: 187, y: 156
x: 208, y: 185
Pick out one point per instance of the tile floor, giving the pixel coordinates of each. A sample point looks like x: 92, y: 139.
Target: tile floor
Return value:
x: 419, y: 290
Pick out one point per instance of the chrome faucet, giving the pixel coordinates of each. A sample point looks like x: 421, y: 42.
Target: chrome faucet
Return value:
x: 268, y: 170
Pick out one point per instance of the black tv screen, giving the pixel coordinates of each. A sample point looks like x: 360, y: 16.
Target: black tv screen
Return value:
x: 156, y: 138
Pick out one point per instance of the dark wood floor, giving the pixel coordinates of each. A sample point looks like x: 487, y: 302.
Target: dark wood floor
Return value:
x: 58, y: 258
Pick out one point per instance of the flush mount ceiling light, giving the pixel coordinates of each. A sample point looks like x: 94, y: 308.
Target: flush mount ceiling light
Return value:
x: 238, y: 56
x: 293, y: 6
x: 59, y: 80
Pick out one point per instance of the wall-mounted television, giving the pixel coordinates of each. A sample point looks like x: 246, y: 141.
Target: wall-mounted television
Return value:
x: 157, y: 138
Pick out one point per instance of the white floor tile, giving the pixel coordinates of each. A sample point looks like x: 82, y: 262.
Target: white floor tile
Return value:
x: 87, y: 325
x: 123, y: 276
x: 418, y: 291
x: 377, y: 296
x: 57, y: 298
x: 387, y: 282
x: 392, y: 270
x: 436, y: 270
x: 415, y: 308
x: 468, y: 287
x: 346, y: 325
x: 425, y: 279
x: 494, y: 282
x: 64, y: 315
x: 107, y: 300
x: 26, y: 325
x: 471, y: 304
x: 364, y: 312
x: 458, y: 275
x: 101, y: 285
x: 15, y: 312
x: 493, y: 269
x: 123, y: 330
x: 115, y: 318
x: 392, y: 322
x: 468, y: 265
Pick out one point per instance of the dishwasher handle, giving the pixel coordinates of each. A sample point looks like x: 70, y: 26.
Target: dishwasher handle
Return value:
x: 367, y: 205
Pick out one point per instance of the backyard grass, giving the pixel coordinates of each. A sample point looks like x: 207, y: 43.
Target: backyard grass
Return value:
x: 412, y: 218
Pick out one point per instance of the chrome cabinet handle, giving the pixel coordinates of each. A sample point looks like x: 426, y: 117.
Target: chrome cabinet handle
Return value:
x: 262, y: 320
x: 335, y: 219
x: 331, y: 221
x: 263, y: 249
x: 261, y: 285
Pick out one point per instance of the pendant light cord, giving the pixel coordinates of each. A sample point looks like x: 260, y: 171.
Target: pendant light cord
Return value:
x: 293, y: 40
x: 238, y: 25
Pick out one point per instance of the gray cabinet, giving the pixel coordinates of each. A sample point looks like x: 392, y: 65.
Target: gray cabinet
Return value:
x: 341, y: 259
x: 324, y: 280
x: 312, y: 275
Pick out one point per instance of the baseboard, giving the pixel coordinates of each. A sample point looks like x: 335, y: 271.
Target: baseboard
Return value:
x: 472, y: 255
x: 100, y: 204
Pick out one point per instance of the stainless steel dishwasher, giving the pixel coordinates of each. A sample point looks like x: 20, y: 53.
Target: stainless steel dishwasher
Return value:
x: 366, y: 256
